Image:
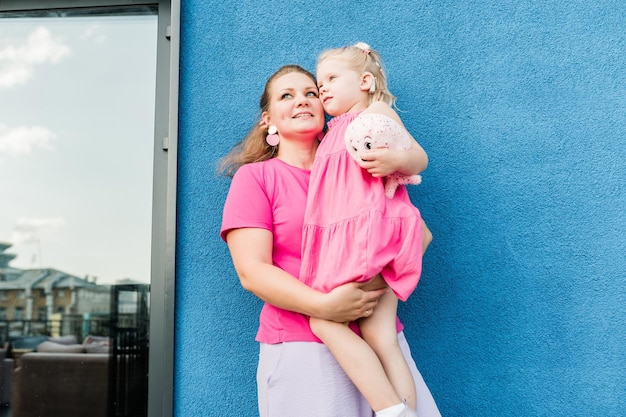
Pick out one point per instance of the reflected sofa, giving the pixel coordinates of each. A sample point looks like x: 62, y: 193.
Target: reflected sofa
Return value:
x: 6, y: 377
x: 62, y: 378
x: 60, y: 384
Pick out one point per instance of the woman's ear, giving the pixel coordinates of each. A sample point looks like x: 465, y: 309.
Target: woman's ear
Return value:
x: 368, y: 82
x: 265, y: 119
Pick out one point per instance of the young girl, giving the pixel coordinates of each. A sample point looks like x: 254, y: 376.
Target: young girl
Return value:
x: 352, y: 232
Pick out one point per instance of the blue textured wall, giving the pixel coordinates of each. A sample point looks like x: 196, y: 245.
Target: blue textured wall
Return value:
x: 521, y: 106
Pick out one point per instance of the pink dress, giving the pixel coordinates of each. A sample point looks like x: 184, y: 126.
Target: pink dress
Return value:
x: 352, y: 231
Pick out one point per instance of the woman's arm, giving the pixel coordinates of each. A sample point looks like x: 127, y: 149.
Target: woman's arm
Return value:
x: 251, y: 251
x: 385, y: 161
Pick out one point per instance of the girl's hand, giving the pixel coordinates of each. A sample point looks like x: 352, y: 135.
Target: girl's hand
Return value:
x: 381, y: 162
x: 349, y: 302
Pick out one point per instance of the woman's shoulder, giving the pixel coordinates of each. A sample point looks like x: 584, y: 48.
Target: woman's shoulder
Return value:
x: 269, y: 168
x: 257, y: 167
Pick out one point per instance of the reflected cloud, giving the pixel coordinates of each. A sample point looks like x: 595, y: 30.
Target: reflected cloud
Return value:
x: 23, y: 139
x: 94, y: 33
x: 30, y: 229
x: 17, y: 62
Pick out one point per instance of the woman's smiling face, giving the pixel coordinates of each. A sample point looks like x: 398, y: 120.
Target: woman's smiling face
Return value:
x: 294, y: 107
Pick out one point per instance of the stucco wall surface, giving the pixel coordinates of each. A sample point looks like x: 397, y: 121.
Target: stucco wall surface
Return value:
x: 521, y: 106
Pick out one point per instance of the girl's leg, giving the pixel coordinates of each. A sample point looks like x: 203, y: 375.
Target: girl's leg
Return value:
x: 426, y: 405
x: 379, y: 331
x: 359, y: 362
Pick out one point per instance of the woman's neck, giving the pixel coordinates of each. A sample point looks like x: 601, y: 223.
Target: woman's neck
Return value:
x: 298, y: 154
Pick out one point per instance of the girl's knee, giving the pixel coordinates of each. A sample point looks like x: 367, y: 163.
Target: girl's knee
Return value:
x: 382, y: 342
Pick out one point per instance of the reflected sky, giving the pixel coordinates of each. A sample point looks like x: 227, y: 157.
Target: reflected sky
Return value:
x: 76, y: 134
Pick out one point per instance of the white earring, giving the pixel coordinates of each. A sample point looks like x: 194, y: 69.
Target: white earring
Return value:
x: 272, y: 138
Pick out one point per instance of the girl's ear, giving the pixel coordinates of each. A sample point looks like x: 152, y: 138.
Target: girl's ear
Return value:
x: 367, y: 81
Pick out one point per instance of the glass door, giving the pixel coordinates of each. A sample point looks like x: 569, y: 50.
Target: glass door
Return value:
x: 77, y: 156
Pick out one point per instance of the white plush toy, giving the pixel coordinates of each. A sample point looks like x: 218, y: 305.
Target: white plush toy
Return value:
x: 371, y: 131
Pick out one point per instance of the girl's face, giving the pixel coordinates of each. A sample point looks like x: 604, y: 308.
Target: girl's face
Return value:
x: 294, y: 107
x: 342, y: 89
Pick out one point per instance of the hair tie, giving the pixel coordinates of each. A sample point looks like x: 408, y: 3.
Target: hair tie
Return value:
x: 363, y: 47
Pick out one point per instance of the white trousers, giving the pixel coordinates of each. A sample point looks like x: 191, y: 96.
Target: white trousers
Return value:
x: 303, y: 379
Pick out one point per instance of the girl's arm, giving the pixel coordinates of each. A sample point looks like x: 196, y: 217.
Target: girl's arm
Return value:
x: 382, y: 162
x: 251, y: 251
x: 385, y: 161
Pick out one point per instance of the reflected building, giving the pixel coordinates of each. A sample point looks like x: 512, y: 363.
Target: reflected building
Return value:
x: 43, y: 293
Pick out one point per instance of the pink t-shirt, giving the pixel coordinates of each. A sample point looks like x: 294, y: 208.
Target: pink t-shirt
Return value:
x: 272, y: 195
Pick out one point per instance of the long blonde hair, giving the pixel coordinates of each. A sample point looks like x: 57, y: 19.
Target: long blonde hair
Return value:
x: 254, y: 148
x: 362, y: 58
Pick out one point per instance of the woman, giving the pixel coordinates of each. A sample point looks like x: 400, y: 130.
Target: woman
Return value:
x: 262, y: 225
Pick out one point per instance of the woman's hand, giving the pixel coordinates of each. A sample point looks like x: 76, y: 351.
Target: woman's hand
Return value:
x: 351, y: 301
x: 251, y: 250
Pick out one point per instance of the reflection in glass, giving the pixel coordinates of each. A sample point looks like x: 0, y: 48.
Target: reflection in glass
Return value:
x: 76, y: 141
